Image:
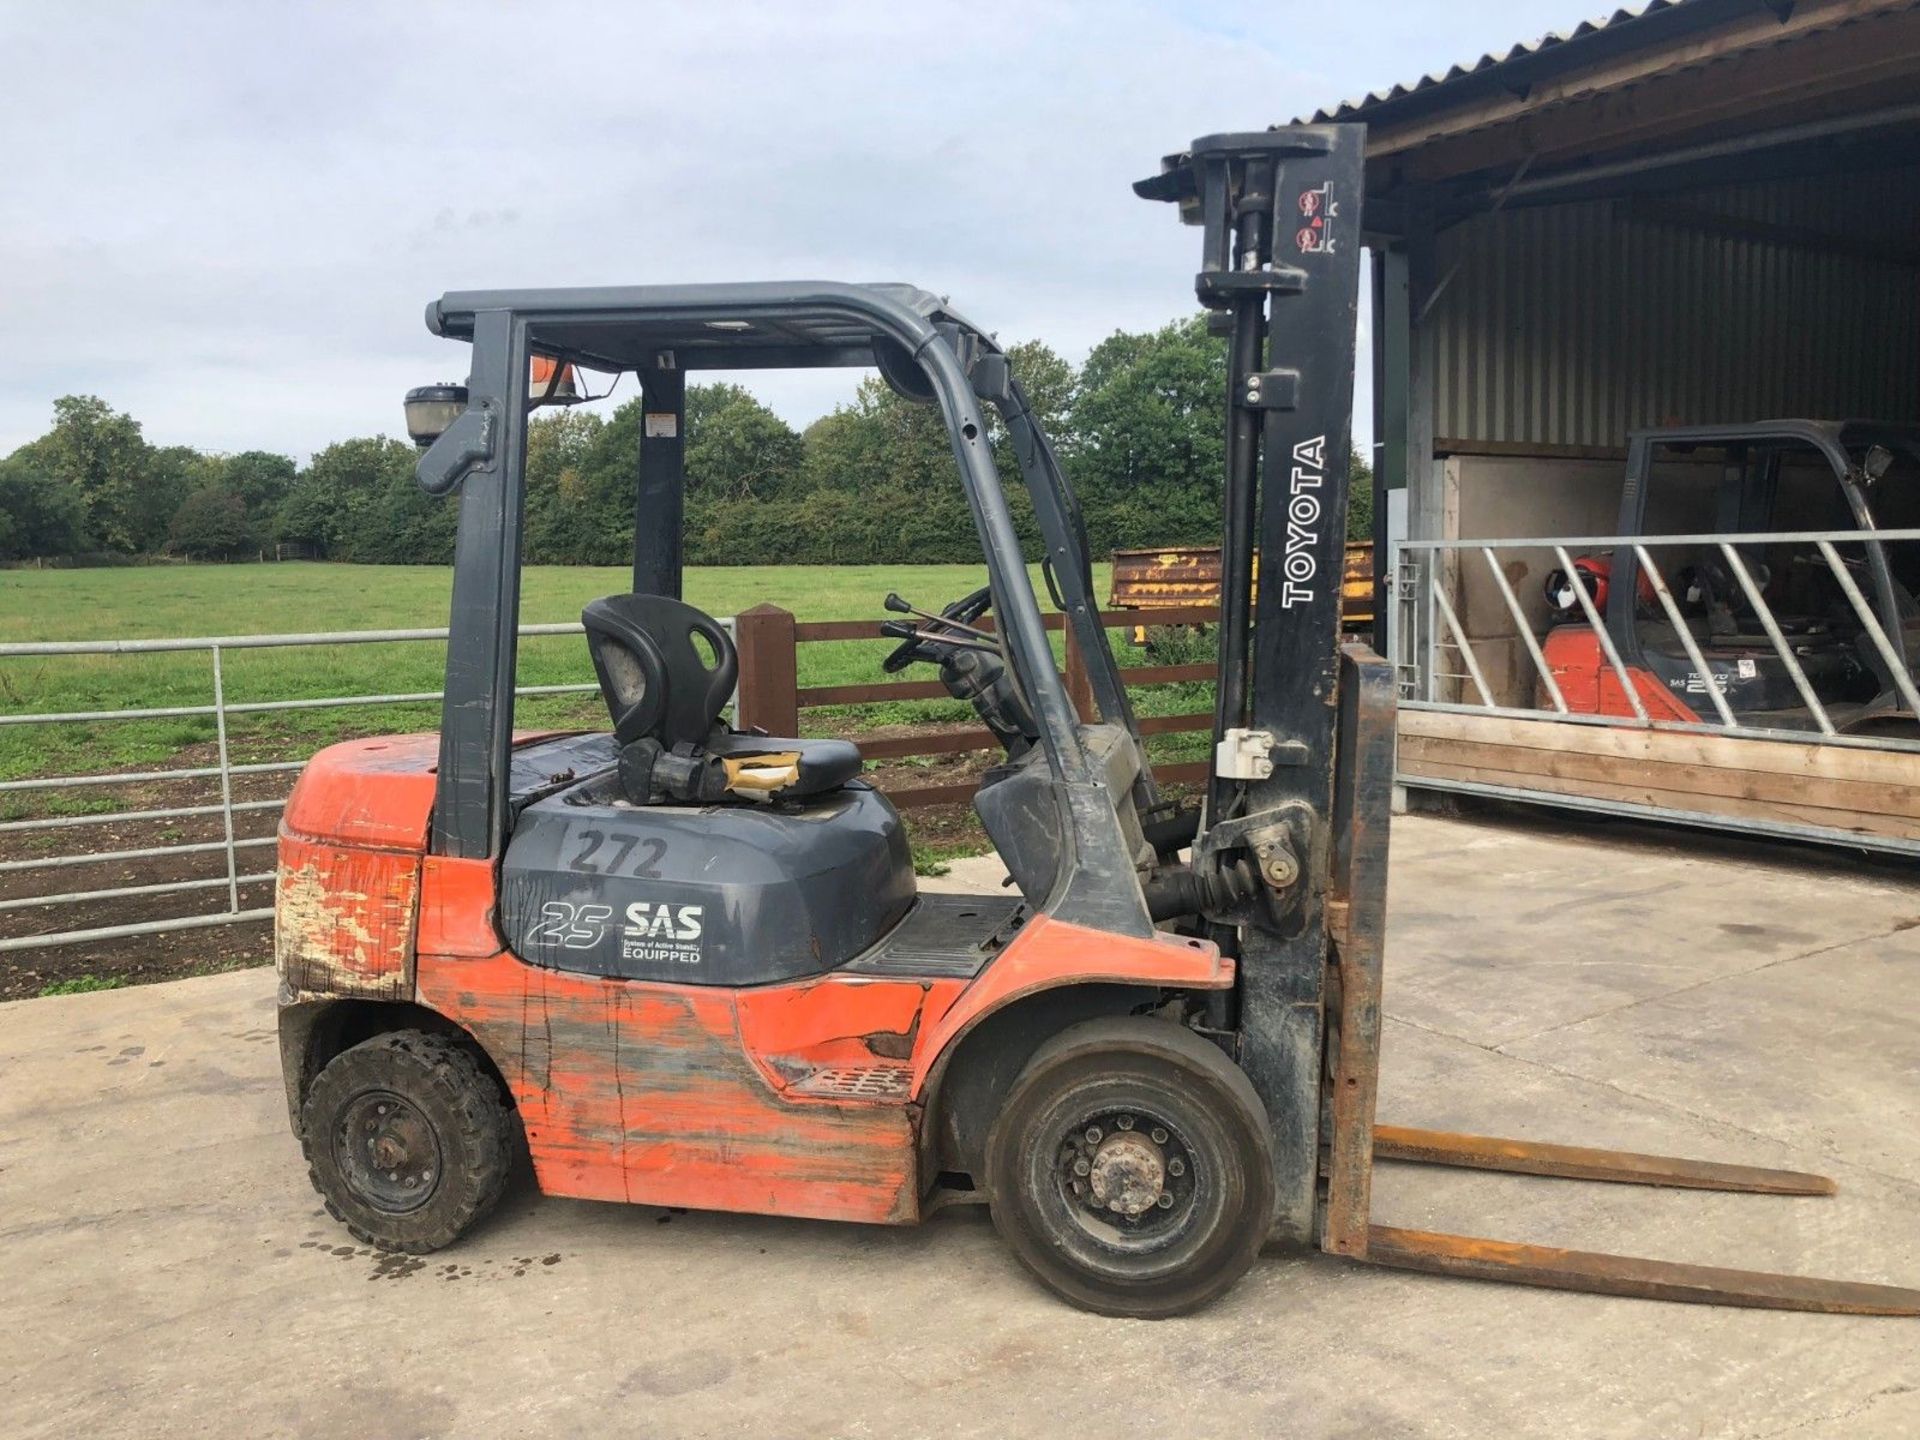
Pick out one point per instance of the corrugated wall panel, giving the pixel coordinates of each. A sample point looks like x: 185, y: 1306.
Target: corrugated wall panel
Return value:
x: 1571, y: 324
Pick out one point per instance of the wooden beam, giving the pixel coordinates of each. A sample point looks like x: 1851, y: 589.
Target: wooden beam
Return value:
x: 1846, y: 789
x: 1786, y: 757
x: 1686, y: 801
x: 1670, y: 777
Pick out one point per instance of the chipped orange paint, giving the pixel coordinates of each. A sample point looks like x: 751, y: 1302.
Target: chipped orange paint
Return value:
x: 686, y: 1095
x: 839, y: 1023
x: 347, y: 894
x: 376, y: 793
x: 750, y: 1100
x: 638, y: 1091
x: 1048, y: 953
x: 343, y: 919
x: 457, y: 901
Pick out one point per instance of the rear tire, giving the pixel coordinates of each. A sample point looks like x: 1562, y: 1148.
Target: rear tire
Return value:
x: 407, y: 1140
x: 1131, y: 1169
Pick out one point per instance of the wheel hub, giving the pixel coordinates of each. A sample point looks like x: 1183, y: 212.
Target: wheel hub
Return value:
x: 1127, y: 1173
x: 388, y: 1152
x: 1127, y: 1177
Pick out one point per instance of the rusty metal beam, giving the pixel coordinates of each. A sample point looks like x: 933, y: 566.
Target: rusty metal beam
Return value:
x: 1357, y: 925
x: 1579, y: 1162
x: 1470, y: 1258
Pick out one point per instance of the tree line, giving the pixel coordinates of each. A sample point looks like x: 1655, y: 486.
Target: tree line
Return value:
x: 1139, y: 429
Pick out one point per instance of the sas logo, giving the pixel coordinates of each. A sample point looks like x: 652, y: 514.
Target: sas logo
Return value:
x: 656, y: 932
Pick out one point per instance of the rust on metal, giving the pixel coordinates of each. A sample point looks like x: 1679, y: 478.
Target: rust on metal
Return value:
x: 1357, y: 926
x: 1469, y: 1258
x: 1578, y: 1162
x: 1178, y: 576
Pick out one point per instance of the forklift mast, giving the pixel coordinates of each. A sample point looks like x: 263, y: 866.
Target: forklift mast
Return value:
x: 1279, y: 213
x: 1291, y: 849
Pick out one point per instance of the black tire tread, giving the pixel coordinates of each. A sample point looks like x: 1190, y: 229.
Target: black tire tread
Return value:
x: 1164, y: 1041
x: 484, y: 1135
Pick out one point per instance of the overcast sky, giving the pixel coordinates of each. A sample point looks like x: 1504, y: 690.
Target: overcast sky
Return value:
x: 227, y: 219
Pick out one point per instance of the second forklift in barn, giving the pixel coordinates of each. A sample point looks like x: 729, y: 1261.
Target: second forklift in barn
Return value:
x: 685, y: 965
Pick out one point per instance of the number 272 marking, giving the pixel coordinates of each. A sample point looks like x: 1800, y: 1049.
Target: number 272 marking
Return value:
x: 592, y: 842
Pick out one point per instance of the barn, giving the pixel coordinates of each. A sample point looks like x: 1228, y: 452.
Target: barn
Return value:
x: 1681, y: 244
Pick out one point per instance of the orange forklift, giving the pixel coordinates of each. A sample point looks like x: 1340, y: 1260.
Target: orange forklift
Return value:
x: 677, y: 964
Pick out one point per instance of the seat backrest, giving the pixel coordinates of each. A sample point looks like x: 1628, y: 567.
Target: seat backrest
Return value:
x: 653, y: 674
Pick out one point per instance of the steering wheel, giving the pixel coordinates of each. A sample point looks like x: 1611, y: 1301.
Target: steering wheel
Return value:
x: 967, y: 610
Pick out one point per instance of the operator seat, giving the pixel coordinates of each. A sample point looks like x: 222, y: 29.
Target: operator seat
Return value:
x: 666, y: 698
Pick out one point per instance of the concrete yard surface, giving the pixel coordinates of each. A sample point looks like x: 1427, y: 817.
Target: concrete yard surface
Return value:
x: 168, y: 1270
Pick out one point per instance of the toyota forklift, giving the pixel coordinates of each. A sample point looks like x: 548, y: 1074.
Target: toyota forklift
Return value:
x: 679, y: 964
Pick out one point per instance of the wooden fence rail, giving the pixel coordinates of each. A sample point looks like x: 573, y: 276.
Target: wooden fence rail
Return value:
x: 772, y: 697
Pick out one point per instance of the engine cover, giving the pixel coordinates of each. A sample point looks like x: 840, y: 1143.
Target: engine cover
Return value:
x: 710, y: 895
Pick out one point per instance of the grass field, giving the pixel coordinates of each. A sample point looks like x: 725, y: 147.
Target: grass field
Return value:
x: 207, y: 600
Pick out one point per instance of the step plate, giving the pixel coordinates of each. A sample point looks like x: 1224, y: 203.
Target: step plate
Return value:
x: 864, y: 1082
x: 943, y: 937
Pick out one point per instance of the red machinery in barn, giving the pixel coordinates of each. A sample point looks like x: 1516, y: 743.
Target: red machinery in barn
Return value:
x: 1774, y: 626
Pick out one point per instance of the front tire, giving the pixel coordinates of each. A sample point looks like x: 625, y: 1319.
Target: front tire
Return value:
x: 1131, y: 1169
x: 407, y: 1140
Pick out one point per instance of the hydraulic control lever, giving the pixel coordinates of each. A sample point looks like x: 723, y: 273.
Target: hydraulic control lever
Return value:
x: 899, y: 606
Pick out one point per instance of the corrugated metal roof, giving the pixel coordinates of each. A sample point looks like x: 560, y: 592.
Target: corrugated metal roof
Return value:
x: 1366, y: 106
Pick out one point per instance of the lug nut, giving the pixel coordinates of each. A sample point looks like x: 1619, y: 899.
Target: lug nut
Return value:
x: 1176, y: 1166
x: 1093, y: 1134
x: 1081, y: 1167
x: 1165, y: 1202
x: 1159, y: 1136
x: 1125, y: 1122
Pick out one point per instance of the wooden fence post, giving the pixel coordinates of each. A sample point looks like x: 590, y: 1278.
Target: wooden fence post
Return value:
x: 1079, y: 686
x: 769, y: 670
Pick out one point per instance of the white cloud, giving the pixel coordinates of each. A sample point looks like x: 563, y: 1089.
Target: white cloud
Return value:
x: 227, y: 219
